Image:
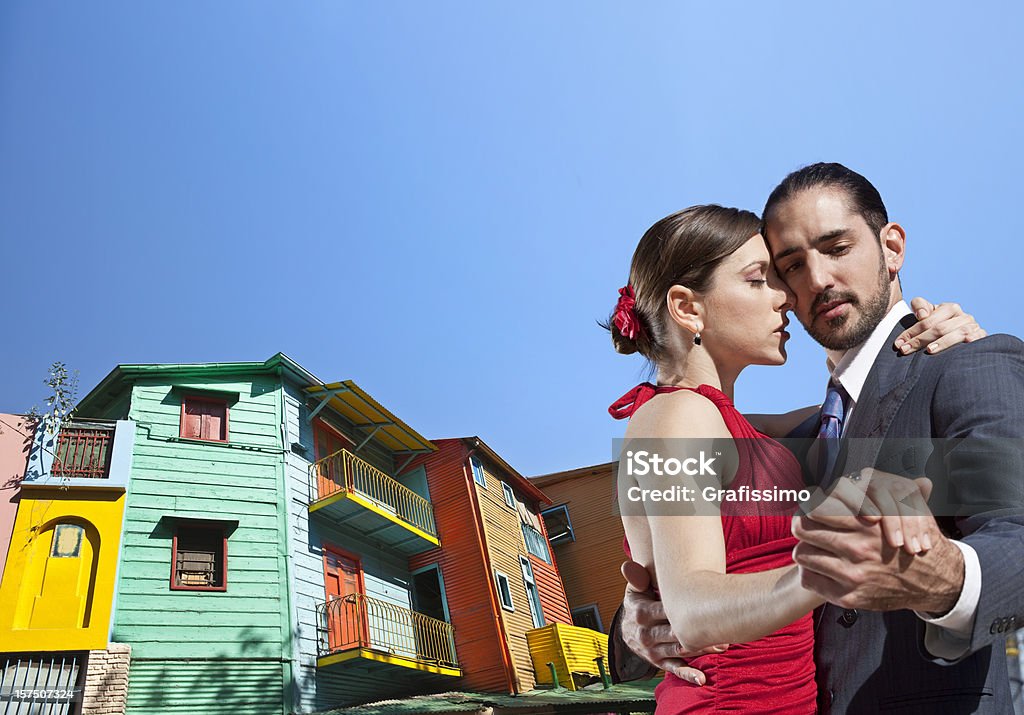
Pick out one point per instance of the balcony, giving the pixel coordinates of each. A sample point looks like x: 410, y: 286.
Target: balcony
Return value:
x: 91, y: 454
x: 83, y: 452
x: 357, y: 495
x: 372, y: 647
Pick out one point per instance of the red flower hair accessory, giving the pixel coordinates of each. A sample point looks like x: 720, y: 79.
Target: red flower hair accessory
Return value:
x: 626, y: 318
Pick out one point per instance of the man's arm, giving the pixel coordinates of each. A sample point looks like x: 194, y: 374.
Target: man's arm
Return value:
x: 978, y: 410
x: 979, y: 404
x: 640, y: 640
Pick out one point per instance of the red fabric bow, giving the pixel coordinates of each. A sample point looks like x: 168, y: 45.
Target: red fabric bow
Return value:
x: 626, y: 318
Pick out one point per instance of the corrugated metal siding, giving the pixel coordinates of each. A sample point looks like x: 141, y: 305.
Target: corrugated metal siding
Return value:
x: 208, y: 686
x: 236, y: 641
x: 552, y: 596
x: 571, y: 649
x: 589, y: 566
x: 467, y: 583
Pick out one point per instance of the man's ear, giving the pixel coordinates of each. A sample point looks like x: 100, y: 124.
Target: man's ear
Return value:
x: 894, y: 246
x: 684, y: 309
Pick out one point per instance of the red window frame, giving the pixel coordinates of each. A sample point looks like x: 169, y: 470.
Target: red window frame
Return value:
x: 209, y: 525
x: 185, y: 399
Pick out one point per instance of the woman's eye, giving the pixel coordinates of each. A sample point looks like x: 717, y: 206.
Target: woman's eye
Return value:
x: 758, y: 282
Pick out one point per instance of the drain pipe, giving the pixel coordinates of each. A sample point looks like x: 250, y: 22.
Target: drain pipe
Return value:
x: 554, y: 675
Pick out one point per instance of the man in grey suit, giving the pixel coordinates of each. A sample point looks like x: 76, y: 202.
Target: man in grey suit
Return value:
x: 902, y: 634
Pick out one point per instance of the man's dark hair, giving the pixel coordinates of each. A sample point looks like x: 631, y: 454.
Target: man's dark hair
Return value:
x: 864, y: 198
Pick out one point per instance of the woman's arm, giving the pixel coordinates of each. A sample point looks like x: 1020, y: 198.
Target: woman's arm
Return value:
x: 686, y: 553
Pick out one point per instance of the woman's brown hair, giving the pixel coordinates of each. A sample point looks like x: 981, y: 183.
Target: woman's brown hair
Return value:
x: 683, y: 248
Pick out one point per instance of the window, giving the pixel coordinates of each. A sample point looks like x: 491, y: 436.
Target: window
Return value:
x: 199, y: 556
x: 504, y: 592
x: 428, y: 593
x: 558, y: 524
x: 67, y: 541
x: 510, y: 496
x: 535, y: 543
x: 532, y: 595
x: 478, y: 472
x: 587, y: 617
x: 204, y: 418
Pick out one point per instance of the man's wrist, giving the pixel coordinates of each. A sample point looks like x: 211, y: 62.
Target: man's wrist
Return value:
x: 943, y: 589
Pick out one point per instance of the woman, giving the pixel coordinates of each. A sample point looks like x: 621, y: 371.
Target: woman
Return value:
x: 724, y: 573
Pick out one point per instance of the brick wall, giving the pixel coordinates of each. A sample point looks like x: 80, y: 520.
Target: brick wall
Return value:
x: 106, y: 680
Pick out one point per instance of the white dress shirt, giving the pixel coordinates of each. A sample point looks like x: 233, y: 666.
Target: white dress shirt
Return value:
x: 948, y: 636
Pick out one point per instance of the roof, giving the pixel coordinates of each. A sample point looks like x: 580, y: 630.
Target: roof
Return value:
x: 349, y: 400
x: 524, y: 484
x: 355, y: 404
x: 624, y: 697
x: 545, y: 480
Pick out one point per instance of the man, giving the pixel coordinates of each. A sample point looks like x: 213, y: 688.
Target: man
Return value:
x: 918, y: 634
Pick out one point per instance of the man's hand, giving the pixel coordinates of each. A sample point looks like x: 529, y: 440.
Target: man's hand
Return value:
x: 845, y: 556
x: 646, y: 630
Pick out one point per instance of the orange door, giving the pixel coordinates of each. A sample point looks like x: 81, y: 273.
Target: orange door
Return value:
x: 330, y: 476
x: 346, y: 613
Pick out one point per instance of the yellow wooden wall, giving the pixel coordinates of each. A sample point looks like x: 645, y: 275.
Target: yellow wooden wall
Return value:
x: 505, y: 544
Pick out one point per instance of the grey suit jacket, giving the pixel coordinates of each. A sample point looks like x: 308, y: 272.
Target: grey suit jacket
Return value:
x: 957, y: 417
x: 928, y: 414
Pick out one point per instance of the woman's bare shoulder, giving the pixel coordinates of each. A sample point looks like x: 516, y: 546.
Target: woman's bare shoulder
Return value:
x: 683, y: 413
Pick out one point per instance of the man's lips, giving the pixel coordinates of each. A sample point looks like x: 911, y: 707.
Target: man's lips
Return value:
x: 832, y: 309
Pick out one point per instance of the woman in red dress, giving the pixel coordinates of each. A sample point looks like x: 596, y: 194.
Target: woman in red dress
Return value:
x: 703, y: 302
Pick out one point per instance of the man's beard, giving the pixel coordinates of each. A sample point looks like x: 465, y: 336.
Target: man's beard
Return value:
x: 831, y: 336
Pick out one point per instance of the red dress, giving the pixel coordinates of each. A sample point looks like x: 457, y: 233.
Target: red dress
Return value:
x: 774, y: 674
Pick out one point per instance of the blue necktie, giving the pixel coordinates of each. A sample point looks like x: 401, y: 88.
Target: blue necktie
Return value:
x: 830, y: 431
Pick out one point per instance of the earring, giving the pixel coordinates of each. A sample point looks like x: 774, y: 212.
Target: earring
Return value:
x: 696, y: 338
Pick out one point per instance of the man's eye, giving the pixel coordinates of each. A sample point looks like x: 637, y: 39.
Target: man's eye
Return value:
x: 838, y: 250
x: 792, y: 267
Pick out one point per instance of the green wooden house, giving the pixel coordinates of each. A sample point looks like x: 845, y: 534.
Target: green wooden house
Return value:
x: 268, y: 530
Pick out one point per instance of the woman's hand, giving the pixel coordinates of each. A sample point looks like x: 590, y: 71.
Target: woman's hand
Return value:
x: 938, y: 327
x: 899, y: 503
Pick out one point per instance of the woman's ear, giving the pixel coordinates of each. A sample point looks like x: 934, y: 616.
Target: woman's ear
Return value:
x: 684, y: 309
x: 894, y: 246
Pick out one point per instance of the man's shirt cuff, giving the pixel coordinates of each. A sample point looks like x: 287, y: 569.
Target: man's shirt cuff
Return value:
x: 949, y: 636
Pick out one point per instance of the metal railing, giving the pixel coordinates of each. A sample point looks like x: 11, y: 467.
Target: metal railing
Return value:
x: 83, y: 452
x: 345, y: 472
x: 359, y: 621
x: 41, y: 683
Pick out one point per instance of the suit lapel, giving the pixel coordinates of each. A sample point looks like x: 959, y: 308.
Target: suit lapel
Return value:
x: 887, y: 385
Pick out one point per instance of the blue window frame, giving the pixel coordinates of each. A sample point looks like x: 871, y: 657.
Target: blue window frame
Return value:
x: 532, y: 594
x: 558, y: 524
x: 510, y: 496
x: 535, y: 543
x: 478, y: 472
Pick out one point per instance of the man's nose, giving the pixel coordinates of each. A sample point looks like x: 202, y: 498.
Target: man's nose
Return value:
x: 818, y: 275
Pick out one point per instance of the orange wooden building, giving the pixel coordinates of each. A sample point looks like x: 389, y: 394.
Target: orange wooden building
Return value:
x: 586, y: 533
x: 498, y: 576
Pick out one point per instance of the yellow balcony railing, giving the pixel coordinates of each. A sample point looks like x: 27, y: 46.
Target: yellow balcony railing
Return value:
x: 358, y: 621
x: 345, y: 472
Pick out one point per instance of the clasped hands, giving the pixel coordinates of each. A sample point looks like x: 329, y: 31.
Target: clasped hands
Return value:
x: 870, y: 543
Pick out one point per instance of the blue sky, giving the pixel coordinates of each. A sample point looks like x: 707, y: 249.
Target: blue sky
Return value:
x: 438, y: 200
